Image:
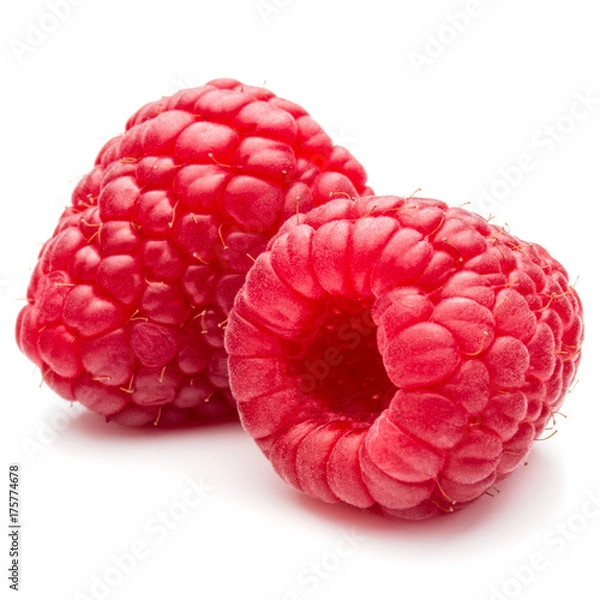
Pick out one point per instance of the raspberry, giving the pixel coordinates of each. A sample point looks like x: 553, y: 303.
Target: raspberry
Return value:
x: 127, y: 303
x: 400, y: 354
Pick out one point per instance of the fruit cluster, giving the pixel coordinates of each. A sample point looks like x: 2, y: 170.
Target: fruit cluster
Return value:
x: 224, y: 256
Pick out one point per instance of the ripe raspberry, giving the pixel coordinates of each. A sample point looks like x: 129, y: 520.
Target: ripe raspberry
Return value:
x: 400, y: 354
x: 127, y: 303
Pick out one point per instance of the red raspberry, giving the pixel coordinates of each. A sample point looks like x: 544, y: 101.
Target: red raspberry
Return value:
x: 127, y: 303
x: 400, y: 354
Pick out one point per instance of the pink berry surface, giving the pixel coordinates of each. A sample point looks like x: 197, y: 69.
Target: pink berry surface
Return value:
x: 400, y: 354
x: 127, y: 303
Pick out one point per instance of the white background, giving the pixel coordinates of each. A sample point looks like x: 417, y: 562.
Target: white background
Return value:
x: 449, y: 122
